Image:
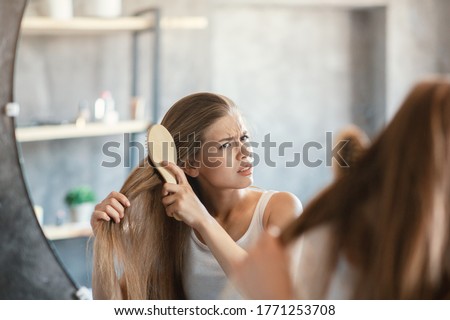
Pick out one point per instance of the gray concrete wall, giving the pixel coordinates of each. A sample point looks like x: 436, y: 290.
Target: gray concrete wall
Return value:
x: 418, y: 44
x: 368, y: 68
x: 297, y: 78
x: 287, y: 70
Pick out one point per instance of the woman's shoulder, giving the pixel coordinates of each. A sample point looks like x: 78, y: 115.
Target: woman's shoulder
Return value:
x: 277, y: 197
x: 282, y: 208
x: 285, y: 200
x: 280, y: 197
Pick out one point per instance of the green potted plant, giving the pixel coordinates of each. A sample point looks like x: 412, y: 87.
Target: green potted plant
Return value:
x: 81, y: 202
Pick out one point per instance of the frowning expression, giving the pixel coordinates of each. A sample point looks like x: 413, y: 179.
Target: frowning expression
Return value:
x: 225, y: 155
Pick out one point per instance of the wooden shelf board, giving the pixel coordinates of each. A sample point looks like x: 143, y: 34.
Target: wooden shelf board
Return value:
x: 49, y: 26
x: 344, y: 4
x: 67, y: 231
x: 67, y: 131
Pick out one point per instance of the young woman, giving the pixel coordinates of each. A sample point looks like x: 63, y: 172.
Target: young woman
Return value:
x: 381, y: 231
x: 175, y: 241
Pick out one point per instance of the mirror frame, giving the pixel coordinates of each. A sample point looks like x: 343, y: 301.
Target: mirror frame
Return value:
x: 29, y: 265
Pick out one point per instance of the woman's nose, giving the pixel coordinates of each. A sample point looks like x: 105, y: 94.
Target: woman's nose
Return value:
x: 244, y: 150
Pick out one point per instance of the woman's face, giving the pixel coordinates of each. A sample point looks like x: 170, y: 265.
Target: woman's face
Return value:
x: 225, y: 156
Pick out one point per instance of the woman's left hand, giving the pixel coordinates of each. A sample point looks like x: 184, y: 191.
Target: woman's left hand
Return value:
x: 264, y: 274
x: 181, y: 202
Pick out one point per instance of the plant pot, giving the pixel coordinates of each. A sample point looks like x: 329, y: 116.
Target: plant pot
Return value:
x: 81, y: 212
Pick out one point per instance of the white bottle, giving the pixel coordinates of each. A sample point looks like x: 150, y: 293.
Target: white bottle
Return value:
x: 99, y: 109
x: 111, y: 115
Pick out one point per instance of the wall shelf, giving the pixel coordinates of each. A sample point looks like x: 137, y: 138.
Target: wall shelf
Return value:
x: 68, y: 131
x: 344, y: 4
x: 83, y: 25
x: 67, y: 231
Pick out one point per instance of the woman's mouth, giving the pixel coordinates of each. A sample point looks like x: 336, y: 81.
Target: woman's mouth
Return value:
x: 246, y: 171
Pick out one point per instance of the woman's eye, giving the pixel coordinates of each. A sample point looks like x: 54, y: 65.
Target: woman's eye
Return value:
x: 225, y: 145
x: 245, y: 138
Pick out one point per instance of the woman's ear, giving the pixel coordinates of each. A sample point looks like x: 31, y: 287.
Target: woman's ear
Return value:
x: 191, y: 171
x: 191, y: 168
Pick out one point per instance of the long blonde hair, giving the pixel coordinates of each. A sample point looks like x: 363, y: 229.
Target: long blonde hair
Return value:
x: 390, y: 214
x: 146, y: 251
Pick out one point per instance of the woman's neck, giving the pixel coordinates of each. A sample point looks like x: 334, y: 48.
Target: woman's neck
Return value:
x: 232, y: 209
x: 221, y: 204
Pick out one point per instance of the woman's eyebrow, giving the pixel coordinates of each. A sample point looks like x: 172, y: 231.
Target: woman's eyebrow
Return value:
x: 232, y: 138
x: 226, y: 139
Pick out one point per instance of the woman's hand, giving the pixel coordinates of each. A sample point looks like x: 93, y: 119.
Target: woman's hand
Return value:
x: 264, y: 274
x: 112, y: 207
x: 181, y: 202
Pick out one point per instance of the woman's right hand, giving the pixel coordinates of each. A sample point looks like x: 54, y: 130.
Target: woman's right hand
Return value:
x: 181, y: 201
x: 112, y: 207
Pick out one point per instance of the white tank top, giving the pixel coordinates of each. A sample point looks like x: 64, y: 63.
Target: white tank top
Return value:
x: 203, y: 277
